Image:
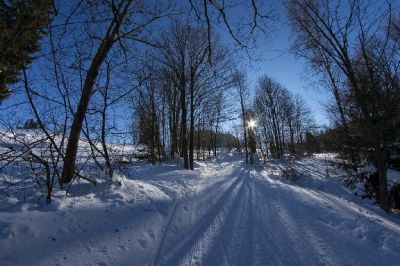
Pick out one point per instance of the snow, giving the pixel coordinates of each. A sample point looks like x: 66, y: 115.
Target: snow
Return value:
x: 223, y: 213
x: 393, y: 177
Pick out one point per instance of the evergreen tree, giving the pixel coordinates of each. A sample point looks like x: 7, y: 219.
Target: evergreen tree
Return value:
x: 22, y: 25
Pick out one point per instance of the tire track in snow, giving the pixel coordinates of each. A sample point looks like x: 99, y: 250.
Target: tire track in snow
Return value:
x: 194, y: 245
x: 202, y: 232
x: 171, y: 216
x: 164, y: 235
x: 238, y: 228
x: 222, y: 240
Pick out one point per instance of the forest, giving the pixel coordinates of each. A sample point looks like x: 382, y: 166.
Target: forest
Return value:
x: 113, y: 97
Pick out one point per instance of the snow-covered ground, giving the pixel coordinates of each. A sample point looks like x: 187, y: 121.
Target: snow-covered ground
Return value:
x: 223, y: 213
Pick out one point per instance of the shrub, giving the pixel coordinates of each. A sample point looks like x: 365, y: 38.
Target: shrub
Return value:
x: 290, y: 174
x: 371, y: 185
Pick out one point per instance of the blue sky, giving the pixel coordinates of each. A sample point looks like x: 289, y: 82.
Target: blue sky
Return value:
x: 277, y: 62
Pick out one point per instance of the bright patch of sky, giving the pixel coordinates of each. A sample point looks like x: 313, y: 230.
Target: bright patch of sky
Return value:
x: 277, y: 62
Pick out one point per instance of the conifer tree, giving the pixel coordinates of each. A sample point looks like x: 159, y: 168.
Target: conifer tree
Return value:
x: 22, y: 25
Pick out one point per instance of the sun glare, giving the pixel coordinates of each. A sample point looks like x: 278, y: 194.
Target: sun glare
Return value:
x: 252, y: 123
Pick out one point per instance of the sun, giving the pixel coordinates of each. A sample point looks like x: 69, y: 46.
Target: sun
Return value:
x: 252, y: 123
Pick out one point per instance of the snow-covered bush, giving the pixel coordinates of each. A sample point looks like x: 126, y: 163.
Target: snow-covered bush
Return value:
x: 369, y: 181
x: 290, y: 174
x: 27, y: 164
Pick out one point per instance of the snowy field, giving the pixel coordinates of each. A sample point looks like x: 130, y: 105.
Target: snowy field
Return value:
x: 223, y: 213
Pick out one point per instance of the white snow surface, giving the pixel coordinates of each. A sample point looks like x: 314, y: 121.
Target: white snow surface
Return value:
x: 223, y: 213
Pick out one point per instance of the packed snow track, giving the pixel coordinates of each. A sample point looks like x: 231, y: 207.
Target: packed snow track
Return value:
x: 248, y: 219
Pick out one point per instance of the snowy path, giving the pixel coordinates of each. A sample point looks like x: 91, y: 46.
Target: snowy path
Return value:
x: 248, y: 219
x: 225, y: 213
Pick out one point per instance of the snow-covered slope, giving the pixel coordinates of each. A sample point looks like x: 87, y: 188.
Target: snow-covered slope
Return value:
x: 223, y: 213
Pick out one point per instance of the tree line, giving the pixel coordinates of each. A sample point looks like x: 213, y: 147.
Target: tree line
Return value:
x: 183, y: 96
x: 160, y: 73
x: 275, y: 122
x: 82, y: 66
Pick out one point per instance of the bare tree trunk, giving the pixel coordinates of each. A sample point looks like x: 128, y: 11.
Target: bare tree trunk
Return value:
x: 154, y: 133
x: 73, y: 140
x: 216, y: 132
x: 174, y: 120
x: 336, y: 94
x: 215, y: 141
x: 103, y: 125
x: 276, y: 136
x: 173, y: 102
x: 381, y: 163
x: 184, y: 114
x: 203, y: 142
x: 164, y: 131
x: 191, y: 136
x: 244, y: 125
x: 198, y: 141
x: 291, y: 132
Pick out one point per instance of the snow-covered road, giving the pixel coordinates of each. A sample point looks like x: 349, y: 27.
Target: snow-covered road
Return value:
x: 225, y: 213
x: 249, y: 219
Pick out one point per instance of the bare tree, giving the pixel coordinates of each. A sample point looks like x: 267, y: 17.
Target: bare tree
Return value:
x: 113, y: 35
x: 283, y: 118
x: 189, y: 76
x: 242, y: 91
x: 107, y: 42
